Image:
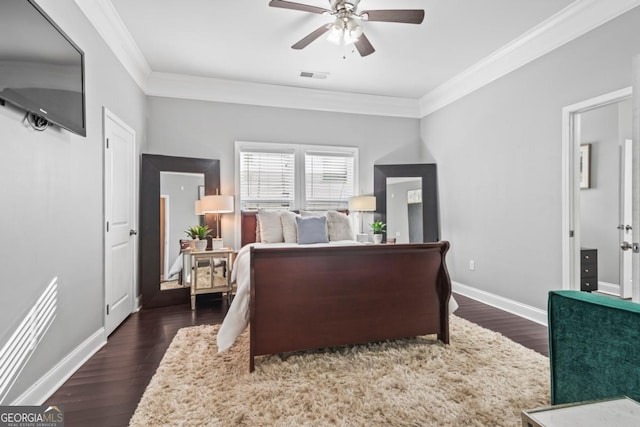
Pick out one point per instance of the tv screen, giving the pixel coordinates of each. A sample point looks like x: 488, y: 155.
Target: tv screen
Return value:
x: 41, y: 69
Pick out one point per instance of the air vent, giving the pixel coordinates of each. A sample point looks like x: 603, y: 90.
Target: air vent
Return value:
x: 314, y: 74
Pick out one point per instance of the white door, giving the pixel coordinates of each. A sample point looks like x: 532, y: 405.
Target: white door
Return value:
x: 636, y: 179
x: 626, y: 232
x: 119, y: 179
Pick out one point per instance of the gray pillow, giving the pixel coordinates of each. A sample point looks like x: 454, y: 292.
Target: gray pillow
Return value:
x: 339, y: 226
x: 312, y: 229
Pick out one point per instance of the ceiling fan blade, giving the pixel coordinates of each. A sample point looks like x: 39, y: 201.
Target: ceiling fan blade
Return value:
x: 298, y: 6
x: 407, y: 16
x: 304, y: 42
x: 364, y: 45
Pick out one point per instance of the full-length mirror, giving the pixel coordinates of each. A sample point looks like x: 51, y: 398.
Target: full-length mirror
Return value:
x: 178, y: 193
x: 169, y: 187
x: 407, y: 201
x: 404, y: 209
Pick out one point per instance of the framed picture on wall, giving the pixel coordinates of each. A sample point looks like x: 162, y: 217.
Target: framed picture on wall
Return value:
x: 585, y: 166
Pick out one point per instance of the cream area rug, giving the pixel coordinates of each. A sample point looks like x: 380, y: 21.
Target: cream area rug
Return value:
x: 480, y: 379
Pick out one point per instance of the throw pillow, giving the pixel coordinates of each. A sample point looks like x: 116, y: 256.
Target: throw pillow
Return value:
x: 339, y: 226
x: 313, y: 213
x: 270, y: 226
x: 289, y: 226
x: 312, y: 229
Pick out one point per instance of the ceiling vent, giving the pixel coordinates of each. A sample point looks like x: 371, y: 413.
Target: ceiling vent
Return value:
x: 314, y: 74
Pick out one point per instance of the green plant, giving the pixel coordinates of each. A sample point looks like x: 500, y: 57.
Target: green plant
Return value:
x: 378, y: 227
x: 198, y: 232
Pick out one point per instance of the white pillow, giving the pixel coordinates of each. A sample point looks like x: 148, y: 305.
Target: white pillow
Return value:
x: 289, y: 226
x: 270, y: 226
x: 339, y: 226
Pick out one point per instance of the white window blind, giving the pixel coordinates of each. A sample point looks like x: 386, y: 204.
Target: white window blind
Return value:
x: 267, y: 179
x: 329, y: 180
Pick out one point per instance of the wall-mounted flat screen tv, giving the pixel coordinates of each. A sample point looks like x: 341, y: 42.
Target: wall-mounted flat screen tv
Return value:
x: 41, y: 69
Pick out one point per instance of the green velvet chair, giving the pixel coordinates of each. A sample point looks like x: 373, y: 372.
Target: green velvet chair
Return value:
x: 594, y: 347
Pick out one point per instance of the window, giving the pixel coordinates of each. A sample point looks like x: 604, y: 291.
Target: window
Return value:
x: 328, y: 180
x: 267, y: 179
x: 285, y: 176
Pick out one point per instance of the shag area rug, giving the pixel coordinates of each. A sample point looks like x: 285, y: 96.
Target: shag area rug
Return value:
x: 480, y: 379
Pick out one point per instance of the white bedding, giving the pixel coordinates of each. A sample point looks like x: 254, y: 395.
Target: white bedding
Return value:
x: 237, y: 318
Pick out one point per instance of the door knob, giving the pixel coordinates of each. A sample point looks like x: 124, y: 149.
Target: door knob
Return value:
x: 628, y: 228
x: 132, y: 232
x: 625, y: 246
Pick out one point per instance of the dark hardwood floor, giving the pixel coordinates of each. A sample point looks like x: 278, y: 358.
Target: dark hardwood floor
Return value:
x: 105, y: 391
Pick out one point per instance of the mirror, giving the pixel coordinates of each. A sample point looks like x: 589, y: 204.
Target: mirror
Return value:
x: 407, y: 201
x: 404, y: 209
x: 178, y: 193
x: 181, y: 179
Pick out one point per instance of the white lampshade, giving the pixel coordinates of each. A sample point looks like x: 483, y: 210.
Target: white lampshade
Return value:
x: 362, y: 203
x: 198, y: 207
x: 217, y: 204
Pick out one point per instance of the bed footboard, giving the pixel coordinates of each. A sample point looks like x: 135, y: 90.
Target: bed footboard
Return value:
x: 316, y: 297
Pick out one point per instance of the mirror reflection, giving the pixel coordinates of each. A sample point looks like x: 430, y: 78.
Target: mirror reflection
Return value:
x: 404, y: 209
x: 178, y: 193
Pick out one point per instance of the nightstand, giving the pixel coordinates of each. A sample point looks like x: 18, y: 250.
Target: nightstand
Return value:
x: 210, y: 273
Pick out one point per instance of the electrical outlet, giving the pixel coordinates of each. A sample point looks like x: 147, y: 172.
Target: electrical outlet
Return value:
x: 472, y: 265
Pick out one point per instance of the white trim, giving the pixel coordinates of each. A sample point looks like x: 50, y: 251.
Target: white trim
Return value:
x: 237, y: 92
x: 609, y: 288
x: 576, y: 19
x: 573, y: 21
x: 39, y: 392
x: 105, y: 19
x: 514, y: 307
x: 570, y: 190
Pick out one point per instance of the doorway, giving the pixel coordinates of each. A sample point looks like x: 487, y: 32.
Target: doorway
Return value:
x: 119, y: 151
x: 594, y: 187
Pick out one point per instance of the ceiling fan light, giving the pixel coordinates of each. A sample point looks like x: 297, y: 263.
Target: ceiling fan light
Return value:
x: 352, y: 32
x: 336, y: 31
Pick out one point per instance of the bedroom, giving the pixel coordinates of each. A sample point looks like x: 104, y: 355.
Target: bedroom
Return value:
x: 501, y: 169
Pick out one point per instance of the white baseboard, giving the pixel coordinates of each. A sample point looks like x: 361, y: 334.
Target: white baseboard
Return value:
x: 39, y: 392
x: 609, y: 288
x: 508, y: 305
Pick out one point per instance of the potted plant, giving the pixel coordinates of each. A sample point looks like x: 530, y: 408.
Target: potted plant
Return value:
x: 378, y: 228
x: 198, y: 234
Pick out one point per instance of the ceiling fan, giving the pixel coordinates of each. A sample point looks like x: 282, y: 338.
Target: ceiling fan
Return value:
x: 346, y: 28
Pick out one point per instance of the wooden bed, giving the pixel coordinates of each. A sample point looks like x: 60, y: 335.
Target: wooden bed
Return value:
x: 314, y: 297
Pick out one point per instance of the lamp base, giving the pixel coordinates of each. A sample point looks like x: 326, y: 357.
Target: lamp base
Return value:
x: 362, y: 238
x: 217, y: 243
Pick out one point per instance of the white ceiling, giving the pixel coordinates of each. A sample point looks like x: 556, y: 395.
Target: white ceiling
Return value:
x: 173, y: 46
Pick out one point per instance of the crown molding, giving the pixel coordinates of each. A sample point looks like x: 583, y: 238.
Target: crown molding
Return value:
x: 573, y: 21
x: 105, y: 19
x: 237, y: 92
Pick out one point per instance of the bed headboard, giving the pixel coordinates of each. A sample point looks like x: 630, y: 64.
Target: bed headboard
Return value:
x: 249, y: 222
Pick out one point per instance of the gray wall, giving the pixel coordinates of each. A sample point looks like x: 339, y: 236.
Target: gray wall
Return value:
x: 499, y: 159
x: 605, y: 129
x: 208, y: 129
x: 51, y: 216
